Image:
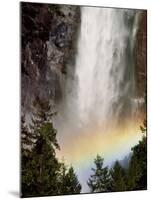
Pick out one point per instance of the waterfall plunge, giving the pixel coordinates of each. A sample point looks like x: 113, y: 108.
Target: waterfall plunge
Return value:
x: 99, y: 89
x: 104, y: 82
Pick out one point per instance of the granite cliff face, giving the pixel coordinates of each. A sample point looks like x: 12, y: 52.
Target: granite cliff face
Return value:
x: 48, y: 45
x: 48, y: 37
x: 141, y: 55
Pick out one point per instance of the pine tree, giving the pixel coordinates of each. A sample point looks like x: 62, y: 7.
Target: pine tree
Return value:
x: 40, y: 166
x: 27, y: 136
x: 69, y: 183
x: 27, y: 142
x: 99, y: 181
x: 137, y: 171
x: 42, y: 173
x: 118, y: 178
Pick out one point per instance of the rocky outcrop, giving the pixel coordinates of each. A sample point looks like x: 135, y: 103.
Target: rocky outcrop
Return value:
x: 48, y: 33
x: 141, y: 55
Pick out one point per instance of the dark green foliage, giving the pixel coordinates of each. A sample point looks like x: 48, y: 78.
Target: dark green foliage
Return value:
x: 41, y: 172
x: 40, y: 165
x: 137, y: 172
x: 45, y: 164
x: 69, y: 183
x: 118, y: 178
x: 100, y: 179
x: 27, y: 137
x: 72, y: 184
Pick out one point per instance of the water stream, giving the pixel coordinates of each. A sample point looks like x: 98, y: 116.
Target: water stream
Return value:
x: 101, y: 89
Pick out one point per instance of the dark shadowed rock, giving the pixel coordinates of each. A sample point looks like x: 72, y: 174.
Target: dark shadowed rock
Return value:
x: 141, y: 55
x: 47, y: 34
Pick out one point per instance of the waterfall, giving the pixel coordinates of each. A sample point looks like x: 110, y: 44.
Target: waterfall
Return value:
x: 103, y: 84
x: 100, y: 90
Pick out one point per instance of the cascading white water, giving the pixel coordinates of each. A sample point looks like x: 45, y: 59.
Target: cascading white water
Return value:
x: 104, y: 71
x: 99, y: 89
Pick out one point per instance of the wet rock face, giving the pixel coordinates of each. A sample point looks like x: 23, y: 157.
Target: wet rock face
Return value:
x: 48, y: 34
x: 141, y: 55
x: 48, y: 43
x: 59, y: 35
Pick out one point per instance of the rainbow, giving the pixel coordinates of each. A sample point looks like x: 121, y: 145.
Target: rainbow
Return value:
x: 80, y: 149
